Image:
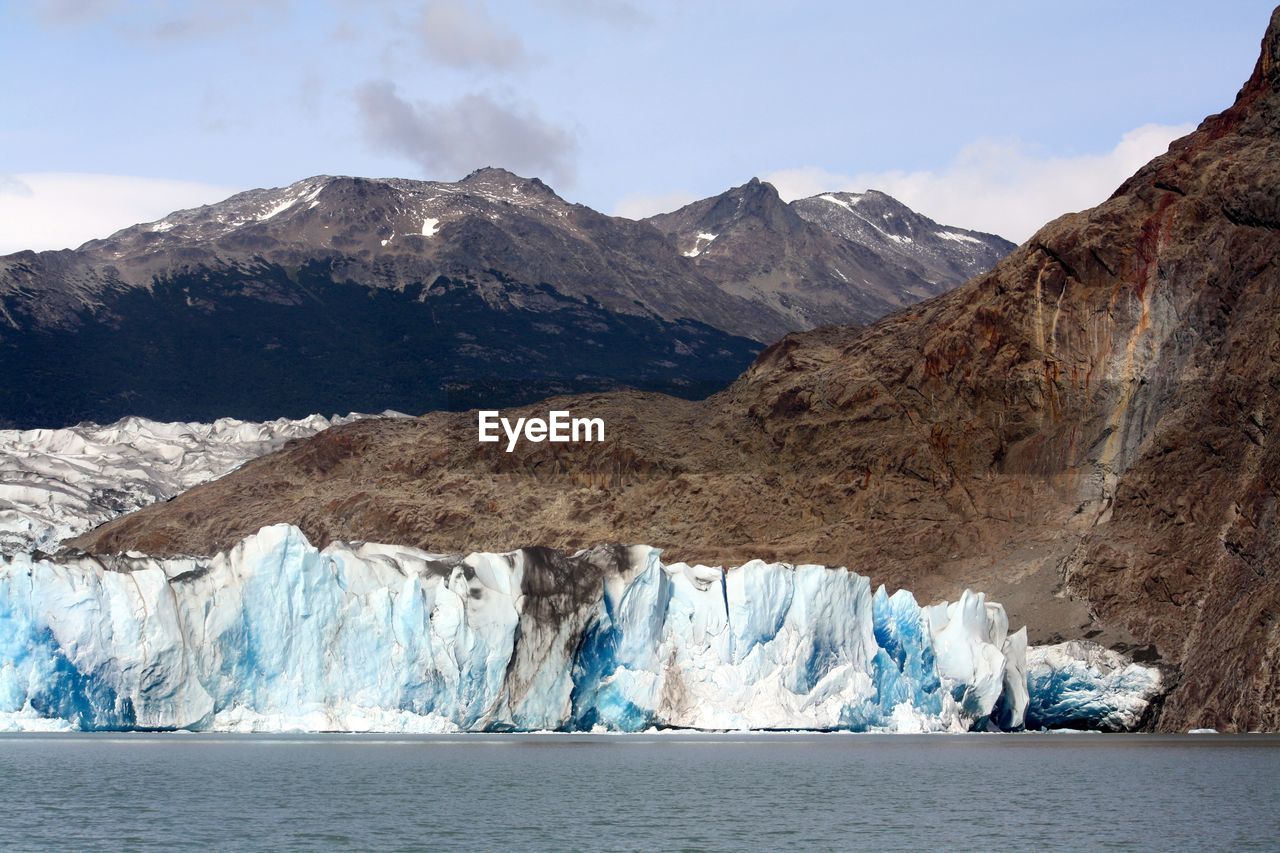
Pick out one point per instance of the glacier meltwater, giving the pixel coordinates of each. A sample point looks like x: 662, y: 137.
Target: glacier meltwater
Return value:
x: 278, y: 635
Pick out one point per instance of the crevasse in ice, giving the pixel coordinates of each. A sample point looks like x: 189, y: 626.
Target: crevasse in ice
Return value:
x: 57, y: 483
x: 278, y: 635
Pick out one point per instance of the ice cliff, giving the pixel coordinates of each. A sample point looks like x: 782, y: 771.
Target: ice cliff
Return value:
x: 1083, y: 685
x: 277, y: 635
x: 58, y: 483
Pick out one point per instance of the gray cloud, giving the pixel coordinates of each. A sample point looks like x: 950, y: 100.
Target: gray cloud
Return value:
x: 452, y: 138
x: 462, y: 34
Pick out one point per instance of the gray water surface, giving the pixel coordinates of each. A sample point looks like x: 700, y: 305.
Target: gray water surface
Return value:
x: 639, y: 792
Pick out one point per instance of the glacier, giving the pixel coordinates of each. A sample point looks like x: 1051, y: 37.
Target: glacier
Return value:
x: 1080, y: 684
x: 278, y: 635
x: 58, y: 483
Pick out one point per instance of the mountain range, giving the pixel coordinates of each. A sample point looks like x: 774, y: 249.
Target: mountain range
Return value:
x: 1086, y: 432
x: 341, y: 294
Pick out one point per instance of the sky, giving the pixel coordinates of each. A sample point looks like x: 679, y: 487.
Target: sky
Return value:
x: 996, y: 116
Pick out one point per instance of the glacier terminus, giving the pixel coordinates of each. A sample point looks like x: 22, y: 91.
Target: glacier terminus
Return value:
x: 278, y: 635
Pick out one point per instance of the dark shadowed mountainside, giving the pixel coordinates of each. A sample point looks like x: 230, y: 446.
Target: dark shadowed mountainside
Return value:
x: 339, y: 294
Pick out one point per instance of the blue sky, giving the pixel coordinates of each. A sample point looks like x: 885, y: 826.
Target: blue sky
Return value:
x: 994, y: 115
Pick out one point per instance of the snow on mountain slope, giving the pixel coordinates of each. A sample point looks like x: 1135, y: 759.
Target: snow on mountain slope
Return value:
x: 340, y: 211
x: 58, y: 483
x: 833, y: 258
x: 941, y: 255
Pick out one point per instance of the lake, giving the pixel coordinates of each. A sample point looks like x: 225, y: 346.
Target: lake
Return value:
x: 678, y: 791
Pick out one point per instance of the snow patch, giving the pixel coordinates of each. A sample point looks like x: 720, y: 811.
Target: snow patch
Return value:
x: 278, y: 209
x: 700, y: 243
x: 957, y: 238
x: 847, y: 205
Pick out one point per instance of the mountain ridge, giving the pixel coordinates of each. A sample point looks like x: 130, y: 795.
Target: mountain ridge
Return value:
x: 814, y: 269
x: 1086, y: 432
x: 458, y: 286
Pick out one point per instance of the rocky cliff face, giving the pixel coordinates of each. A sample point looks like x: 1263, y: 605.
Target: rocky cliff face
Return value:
x: 1087, y: 432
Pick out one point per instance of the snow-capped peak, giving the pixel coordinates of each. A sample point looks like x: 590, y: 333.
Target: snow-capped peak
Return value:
x: 338, y: 212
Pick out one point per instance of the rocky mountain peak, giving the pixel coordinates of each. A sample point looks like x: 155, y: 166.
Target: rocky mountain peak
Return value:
x: 328, y: 213
x: 809, y: 258
x: 742, y: 261
x: 937, y: 253
x: 751, y: 205
x: 1266, y: 74
x: 754, y: 198
x: 1256, y: 110
x: 498, y: 180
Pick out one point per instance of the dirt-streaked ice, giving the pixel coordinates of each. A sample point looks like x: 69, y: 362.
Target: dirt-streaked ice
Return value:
x: 276, y: 634
x: 57, y: 483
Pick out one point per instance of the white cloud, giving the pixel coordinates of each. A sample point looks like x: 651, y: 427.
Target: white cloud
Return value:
x: 61, y: 210
x: 1005, y: 187
x: 640, y: 205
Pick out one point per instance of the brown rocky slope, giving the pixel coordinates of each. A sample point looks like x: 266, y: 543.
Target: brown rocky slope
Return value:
x: 1087, y: 432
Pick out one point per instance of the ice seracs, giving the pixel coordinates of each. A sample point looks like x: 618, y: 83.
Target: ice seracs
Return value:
x: 1080, y: 684
x: 276, y: 634
x: 57, y: 483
